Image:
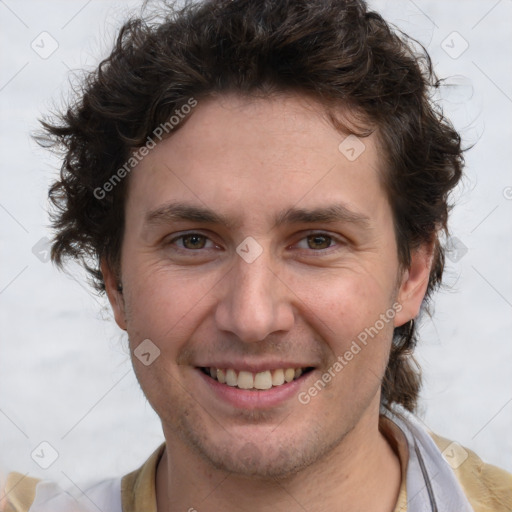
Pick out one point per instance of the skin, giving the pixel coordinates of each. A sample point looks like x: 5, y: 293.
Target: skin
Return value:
x: 303, y: 300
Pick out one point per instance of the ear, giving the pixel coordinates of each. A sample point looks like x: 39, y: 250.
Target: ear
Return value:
x: 114, y: 294
x: 414, y: 283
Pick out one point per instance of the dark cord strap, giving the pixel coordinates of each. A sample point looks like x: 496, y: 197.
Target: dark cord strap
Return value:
x: 428, y: 484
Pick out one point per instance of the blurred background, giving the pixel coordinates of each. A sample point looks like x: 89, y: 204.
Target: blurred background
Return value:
x: 65, y: 373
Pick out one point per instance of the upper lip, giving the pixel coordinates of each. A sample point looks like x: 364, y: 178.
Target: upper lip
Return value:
x: 255, y: 367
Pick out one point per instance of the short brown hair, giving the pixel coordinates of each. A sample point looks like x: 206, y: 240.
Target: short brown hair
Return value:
x: 338, y: 51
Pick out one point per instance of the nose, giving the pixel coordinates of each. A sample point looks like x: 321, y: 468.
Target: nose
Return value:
x: 254, y: 302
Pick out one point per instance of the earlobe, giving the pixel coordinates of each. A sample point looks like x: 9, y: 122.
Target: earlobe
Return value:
x: 414, y: 284
x: 114, y: 292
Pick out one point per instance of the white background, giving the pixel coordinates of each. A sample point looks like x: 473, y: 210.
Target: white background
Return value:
x: 65, y: 374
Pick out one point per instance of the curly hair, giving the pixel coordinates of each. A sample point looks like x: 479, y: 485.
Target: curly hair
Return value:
x: 337, y: 51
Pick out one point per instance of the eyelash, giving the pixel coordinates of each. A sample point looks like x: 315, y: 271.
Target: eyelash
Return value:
x: 333, y: 239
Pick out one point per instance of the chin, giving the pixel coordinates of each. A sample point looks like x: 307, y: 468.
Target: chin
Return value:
x: 262, y: 457
x: 250, y: 460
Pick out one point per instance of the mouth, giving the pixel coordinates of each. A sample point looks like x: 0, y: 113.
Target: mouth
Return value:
x: 251, y: 381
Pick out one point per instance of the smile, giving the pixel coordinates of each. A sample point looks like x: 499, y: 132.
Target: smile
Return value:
x: 261, y: 381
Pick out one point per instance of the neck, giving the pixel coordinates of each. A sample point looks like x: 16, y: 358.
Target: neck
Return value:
x: 361, y: 473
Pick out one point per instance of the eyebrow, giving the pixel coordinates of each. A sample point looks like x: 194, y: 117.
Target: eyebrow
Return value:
x: 178, y: 211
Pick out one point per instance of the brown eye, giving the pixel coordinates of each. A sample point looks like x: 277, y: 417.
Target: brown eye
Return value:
x: 193, y: 241
x: 319, y: 241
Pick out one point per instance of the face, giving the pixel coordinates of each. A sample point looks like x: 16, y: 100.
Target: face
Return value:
x: 255, y: 251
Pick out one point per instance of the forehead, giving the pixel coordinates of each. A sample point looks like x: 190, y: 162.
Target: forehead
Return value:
x: 254, y: 155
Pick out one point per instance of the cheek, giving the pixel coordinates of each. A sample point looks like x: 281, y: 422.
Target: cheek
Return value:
x: 164, y: 304
x: 344, y: 304
x: 354, y: 316
x: 355, y: 320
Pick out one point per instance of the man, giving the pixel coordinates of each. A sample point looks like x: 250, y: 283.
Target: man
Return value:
x: 260, y: 188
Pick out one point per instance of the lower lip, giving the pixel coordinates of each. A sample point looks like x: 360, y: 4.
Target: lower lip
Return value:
x: 245, y: 399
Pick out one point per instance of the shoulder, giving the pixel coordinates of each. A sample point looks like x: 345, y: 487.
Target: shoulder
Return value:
x: 25, y: 494
x: 138, y: 487
x: 134, y: 491
x: 487, y: 487
x: 18, y: 493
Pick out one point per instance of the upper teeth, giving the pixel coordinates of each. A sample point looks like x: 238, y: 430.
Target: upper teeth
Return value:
x: 260, y: 380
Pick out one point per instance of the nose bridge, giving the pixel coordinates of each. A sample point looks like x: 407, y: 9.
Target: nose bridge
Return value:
x: 253, y: 304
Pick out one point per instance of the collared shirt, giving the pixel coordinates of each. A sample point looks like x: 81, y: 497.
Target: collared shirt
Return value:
x: 439, y: 475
